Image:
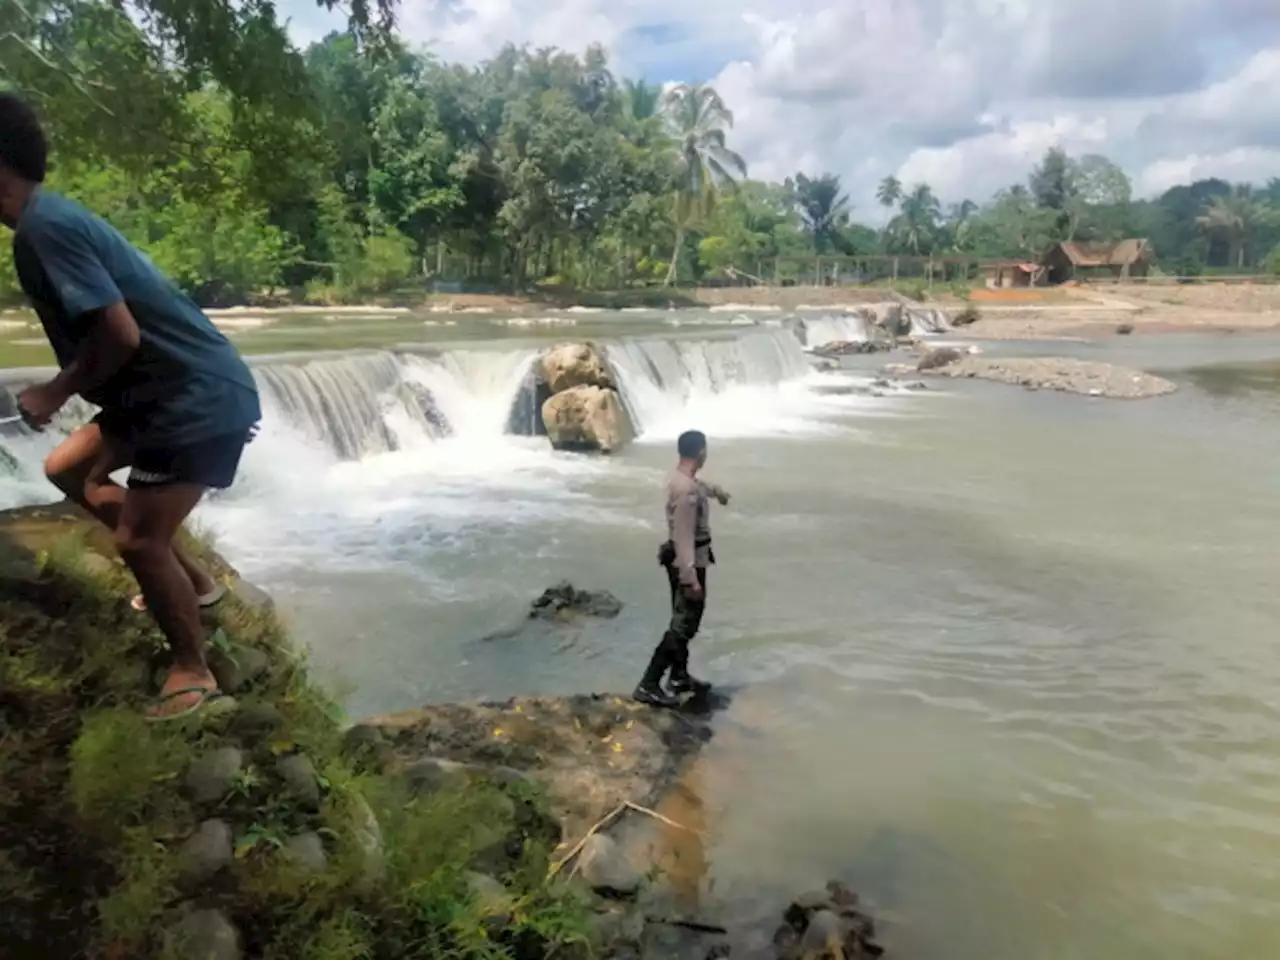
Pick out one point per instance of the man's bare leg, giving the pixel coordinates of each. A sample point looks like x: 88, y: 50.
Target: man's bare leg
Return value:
x: 81, y: 467
x: 149, y: 520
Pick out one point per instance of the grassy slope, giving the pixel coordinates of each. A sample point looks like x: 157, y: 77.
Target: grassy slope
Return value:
x: 92, y: 807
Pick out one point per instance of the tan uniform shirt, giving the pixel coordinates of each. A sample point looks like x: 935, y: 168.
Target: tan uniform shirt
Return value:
x: 689, y: 523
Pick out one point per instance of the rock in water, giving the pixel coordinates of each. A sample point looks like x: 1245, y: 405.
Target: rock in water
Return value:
x: 587, y: 419
x: 941, y: 357
x: 564, y: 600
x: 606, y: 869
x: 576, y: 365
x: 842, y: 348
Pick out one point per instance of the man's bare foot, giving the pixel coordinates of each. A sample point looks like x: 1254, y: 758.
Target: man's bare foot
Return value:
x: 184, y: 692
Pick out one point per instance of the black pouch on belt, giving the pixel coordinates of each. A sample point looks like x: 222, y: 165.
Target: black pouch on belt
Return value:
x: 667, y: 554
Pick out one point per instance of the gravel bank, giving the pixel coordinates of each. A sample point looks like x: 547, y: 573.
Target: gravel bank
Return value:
x: 1089, y: 378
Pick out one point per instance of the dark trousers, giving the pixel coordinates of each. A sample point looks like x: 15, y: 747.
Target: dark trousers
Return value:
x: 686, y: 617
x: 686, y: 614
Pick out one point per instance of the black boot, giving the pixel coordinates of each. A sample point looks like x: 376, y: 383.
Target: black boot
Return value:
x: 650, y: 689
x: 681, y: 680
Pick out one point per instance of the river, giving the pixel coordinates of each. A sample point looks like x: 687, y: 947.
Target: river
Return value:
x: 1005, y: 660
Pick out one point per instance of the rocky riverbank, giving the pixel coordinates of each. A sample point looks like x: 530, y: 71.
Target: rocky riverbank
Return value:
x: 263, y: 827
x: 1065, y: 374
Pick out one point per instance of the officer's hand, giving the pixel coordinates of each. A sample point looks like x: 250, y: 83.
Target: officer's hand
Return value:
x: 693, y: 591
x: 723, y: 496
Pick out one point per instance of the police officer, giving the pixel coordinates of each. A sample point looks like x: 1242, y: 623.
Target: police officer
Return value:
x: 685, y: 556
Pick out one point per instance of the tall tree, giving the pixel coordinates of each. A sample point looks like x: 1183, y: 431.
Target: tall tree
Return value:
x: 889, y: 192
x: 823, y: 207
x: 1236, y: 217
x: 698, y: 120
x: 916, y: 224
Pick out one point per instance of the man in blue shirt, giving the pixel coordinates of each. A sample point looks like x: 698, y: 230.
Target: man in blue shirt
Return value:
x: 178, y: 404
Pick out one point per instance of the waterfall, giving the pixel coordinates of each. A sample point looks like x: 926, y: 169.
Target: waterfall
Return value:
x: 660, y: 377
x: 927, y: 320
x: 834, y: 328
x: 373, y: 403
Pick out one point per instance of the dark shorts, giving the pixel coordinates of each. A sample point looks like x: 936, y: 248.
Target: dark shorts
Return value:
x: 208, y: 463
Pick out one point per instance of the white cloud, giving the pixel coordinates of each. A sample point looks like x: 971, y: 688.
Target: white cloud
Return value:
x: 1242, y: 165
x: 963, y: 94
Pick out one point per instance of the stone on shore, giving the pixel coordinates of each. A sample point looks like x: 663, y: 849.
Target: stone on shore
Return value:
x: 210, y: 776
x: 204, y: 853
x: 203, y: 935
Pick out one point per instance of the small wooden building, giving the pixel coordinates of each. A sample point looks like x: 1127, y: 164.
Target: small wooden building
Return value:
x: 1006, y: 274
x: 1072, y: 260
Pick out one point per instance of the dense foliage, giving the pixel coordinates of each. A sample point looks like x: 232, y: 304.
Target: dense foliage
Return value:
x: 358, y: 167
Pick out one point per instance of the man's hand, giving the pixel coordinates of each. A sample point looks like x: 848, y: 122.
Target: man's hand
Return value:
x: 693, y: 590
x: 39, y: 403
x: 722, y: 495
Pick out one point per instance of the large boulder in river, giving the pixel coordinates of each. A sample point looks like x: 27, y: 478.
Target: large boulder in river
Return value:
x: 576, y: 365
x: 587, y: 419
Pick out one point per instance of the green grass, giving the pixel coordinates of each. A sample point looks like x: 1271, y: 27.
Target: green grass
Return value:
x: 92, y: 808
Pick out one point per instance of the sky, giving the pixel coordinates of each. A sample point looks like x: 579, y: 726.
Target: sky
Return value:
x: 965, y: 95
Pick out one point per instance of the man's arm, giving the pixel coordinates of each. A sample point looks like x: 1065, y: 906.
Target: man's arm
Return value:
x: 88, y: 296
x: 684, y: 522
x: 113, y: 337
x: 716, y: 491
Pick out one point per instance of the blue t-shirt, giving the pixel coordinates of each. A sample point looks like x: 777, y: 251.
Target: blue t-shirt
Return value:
x: 185, y: 382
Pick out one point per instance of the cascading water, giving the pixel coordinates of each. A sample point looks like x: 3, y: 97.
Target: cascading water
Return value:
x: 834, y: 328
x: 725, y: 381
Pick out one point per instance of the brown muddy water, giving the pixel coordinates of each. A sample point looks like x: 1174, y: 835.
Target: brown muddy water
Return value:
x: 1007, y: 661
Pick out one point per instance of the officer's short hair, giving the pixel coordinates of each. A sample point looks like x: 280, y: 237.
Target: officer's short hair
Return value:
x: 691, y: 444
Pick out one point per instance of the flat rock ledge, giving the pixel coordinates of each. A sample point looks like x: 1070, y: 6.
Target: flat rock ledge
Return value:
x: 1065, y: 374
x: 590, y: 752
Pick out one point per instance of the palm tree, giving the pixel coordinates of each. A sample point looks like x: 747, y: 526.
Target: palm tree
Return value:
x: 822, y: 206
x: 697, y: 119
x: 642, y: 99
x: 1236, y: 217
x: 918, y: 217
x: 889, y: 192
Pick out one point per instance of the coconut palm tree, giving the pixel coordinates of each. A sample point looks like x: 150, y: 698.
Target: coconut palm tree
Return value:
x: 697, y: 120
x: 917, y: 218
x: 1236, y: 217
x: 889, y: 192
x: 822, y: 205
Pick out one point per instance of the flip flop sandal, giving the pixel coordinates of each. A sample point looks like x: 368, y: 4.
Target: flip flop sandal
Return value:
x: 208, y: 695
x: 205, y: 600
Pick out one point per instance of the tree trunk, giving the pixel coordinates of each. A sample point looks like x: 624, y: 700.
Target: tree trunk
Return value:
x: 675, y: 258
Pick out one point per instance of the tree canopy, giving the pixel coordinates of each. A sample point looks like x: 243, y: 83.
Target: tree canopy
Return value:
x: 358, y: 166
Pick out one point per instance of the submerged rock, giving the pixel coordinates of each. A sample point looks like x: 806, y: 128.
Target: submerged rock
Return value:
x: 844, y: 348
x: 606, y: 868
x: 564, y: 601
x: 587, y: 419
x: 939, y: 358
